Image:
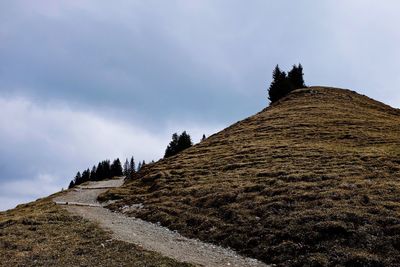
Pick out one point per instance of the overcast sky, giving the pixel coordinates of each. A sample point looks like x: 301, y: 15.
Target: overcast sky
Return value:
x: 82, y: 81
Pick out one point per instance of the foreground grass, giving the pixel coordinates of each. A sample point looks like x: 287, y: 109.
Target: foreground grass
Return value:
x: 311, y: 181
x: 43, y: 234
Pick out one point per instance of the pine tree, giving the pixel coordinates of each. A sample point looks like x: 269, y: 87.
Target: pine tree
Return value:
x: 126, y: 168
x: 107, y: 169
x: 283, y: 84
x: 85, y: 176
x: 132, y: 167
x: 93, y: 174
x: 178, y: 143
x: 139, y: 166
x: 78, y: 178
x: 203, y: 138
x: 71, y: 184
x: 116, y: 168
x: 279, y: 86
x: 172, y: 147
x: 295, y: 76
x: 184, y: 141
x: 99, y: 172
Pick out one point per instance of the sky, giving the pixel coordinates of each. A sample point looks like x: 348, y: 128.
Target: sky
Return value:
x: 82, y: 81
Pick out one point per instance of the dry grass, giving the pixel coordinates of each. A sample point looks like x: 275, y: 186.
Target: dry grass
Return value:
x: 43, y: 234
x: 312, y: 180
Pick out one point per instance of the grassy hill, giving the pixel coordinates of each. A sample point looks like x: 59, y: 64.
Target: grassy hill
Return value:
x: 43, y: 234
x: 313, y: 180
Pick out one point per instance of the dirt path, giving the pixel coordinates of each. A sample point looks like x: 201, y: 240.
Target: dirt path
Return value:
x: 82, y: 201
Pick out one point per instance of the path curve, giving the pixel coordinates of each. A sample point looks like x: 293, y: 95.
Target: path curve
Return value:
x: 82, y: 201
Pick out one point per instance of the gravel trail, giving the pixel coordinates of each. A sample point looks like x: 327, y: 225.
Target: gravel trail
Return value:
x: 82, y: 201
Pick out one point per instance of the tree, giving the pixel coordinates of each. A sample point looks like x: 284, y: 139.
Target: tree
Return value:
x: 184, y: 141
x: 71, y: 184
x: 139, y: 166
x: 172, y: 147
x: 116, y: 168
x: 93, y: 174
x: 85, y: 175
x: 177, y: 144
x: 126, y: 168
x: 280, y: 85
x: 203, y: 138
x: 78, y: 178
x: 283, y: 84
x: 295, y: 76
x: 132, y: 167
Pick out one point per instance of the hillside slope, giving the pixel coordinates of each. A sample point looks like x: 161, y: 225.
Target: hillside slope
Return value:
x: 43, y: 234
x: 311, y: 180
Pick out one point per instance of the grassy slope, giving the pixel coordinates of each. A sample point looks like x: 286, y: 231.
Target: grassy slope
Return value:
x: 43, y: 234
x: 312, y: 180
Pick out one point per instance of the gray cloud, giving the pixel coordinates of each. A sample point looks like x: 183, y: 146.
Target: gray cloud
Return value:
x: 136, y: 71
x: 43, y: 146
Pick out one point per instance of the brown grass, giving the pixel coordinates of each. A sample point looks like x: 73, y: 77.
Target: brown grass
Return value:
x: 43, y: 234
x: 312, y: 180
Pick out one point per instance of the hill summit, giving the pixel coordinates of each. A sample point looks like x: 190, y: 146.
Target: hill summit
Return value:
x: 312, y: 180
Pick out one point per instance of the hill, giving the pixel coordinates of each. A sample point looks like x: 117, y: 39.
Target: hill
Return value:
x: 312, y: 180
x: 41, y: 233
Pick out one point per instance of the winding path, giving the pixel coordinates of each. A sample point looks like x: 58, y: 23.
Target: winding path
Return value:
x: 82, y: 201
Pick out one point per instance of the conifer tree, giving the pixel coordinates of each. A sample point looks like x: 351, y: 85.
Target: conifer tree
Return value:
x: 71, y: 184
x: 132, y: 167
x: 93, y: 174
x: 203, y: 138
x: 116, y: 168
x: 283, y: 84
x: 85, y: 175
x: 172, y: 147
x: 295, y: 76
x: 78, y: 178
x: 184, y: 141
x: 126, y: 168
x: 139, y: 166
x: 279, y: 85
x: 178, y: 143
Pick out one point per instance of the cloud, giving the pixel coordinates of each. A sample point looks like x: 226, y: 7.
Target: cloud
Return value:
x: 81, y: 81
x: 44, y: 145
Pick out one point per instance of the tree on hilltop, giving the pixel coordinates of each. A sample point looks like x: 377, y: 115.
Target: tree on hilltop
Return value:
x: 295, y: 77
x: 178, y: 143
x: 283, y: 84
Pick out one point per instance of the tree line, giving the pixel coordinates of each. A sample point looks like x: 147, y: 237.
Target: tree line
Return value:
x: 105, y: 170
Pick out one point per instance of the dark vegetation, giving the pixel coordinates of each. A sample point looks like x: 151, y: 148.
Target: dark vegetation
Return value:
x: 178, y: 144
x: 310, y: 181
x: 43, y: 234
x: 282, y: 83
x: 104, y: 170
